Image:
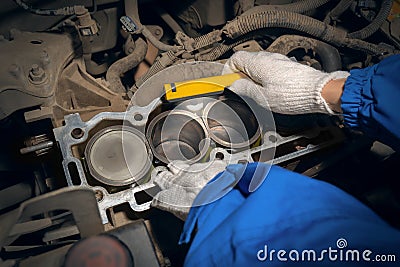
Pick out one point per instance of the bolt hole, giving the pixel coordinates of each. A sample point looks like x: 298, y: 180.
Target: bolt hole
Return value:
x: 36, y: 42
x: 138, y: 117
x: 99, y: 195
x: 220, y: 155
x: 77, y: 133
x: 272, y: 138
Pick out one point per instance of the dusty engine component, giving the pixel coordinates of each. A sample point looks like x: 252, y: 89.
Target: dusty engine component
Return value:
x: 79, y: 92
x: 84, y: 122
x: 178, y: 133
x: 40, y: 75
x: 73, y: 139
x: 202, y: 14
x: 67, y: 219
x: 311, y: 49
x: 37, y: 74
x: 32, y: 67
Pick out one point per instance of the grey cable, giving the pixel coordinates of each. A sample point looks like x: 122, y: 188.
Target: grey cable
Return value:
x: 302, y: 23
x: 297, y: 7
x: 160, y: 45
x: 338, y: 10
x: 64, y: 11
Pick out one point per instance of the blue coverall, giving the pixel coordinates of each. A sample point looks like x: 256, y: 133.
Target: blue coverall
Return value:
x: 313, y: 223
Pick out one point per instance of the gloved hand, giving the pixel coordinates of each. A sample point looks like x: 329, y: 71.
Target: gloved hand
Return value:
x: 281, y: 84
x: 182, y: 184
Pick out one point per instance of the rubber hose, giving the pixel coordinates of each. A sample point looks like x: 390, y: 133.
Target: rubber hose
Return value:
x: 330, y: 57
x: 369, y: 48
x: 119, y: 67
x: 160, y: 45
x: 64, y: 11
x: 302, y: 23
x: 382, y: 15
x: 297, y: 7
x: 338, y: 10
x: 283, y: 19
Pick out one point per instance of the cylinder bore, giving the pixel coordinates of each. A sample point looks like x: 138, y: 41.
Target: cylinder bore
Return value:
x: 118, y: 156
x: 178, y: 135
x: 231, y: 123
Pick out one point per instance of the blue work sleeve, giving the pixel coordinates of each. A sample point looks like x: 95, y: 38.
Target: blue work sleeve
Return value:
x: 290, y: 220
x: 371, y: 101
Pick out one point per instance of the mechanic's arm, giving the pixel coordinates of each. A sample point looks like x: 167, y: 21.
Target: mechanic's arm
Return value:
x: 332, y: 92
x: 288, y: 210
x: 367, y: 98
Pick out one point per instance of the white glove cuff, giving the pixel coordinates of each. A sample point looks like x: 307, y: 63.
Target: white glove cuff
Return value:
x: 302, y: 95
x: 322, y: 105
x: 299, y: 96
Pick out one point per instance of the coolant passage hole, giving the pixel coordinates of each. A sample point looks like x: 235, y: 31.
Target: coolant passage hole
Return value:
x: 220, y: 155
x: 37, y: 42
x: 77, y: 133
x: 74, y: 173
x: 147, y: 195
x: 138, y: 117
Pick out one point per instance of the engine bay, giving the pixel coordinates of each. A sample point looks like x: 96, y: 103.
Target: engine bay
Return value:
x: 85, y: 123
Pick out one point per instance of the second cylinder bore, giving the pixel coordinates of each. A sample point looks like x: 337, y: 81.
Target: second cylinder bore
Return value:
x: 178, y: 135
x: 231, y: 123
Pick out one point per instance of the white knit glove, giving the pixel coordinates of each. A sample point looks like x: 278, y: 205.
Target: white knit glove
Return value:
x: 281, y: 84
x: 182, y: 184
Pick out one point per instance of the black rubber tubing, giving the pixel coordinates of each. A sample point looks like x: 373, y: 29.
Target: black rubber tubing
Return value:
x: 382, y: 15
x: 284, y: 19
x: 119, y: 67
x: 330, y: 57
x: 338, y: 10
